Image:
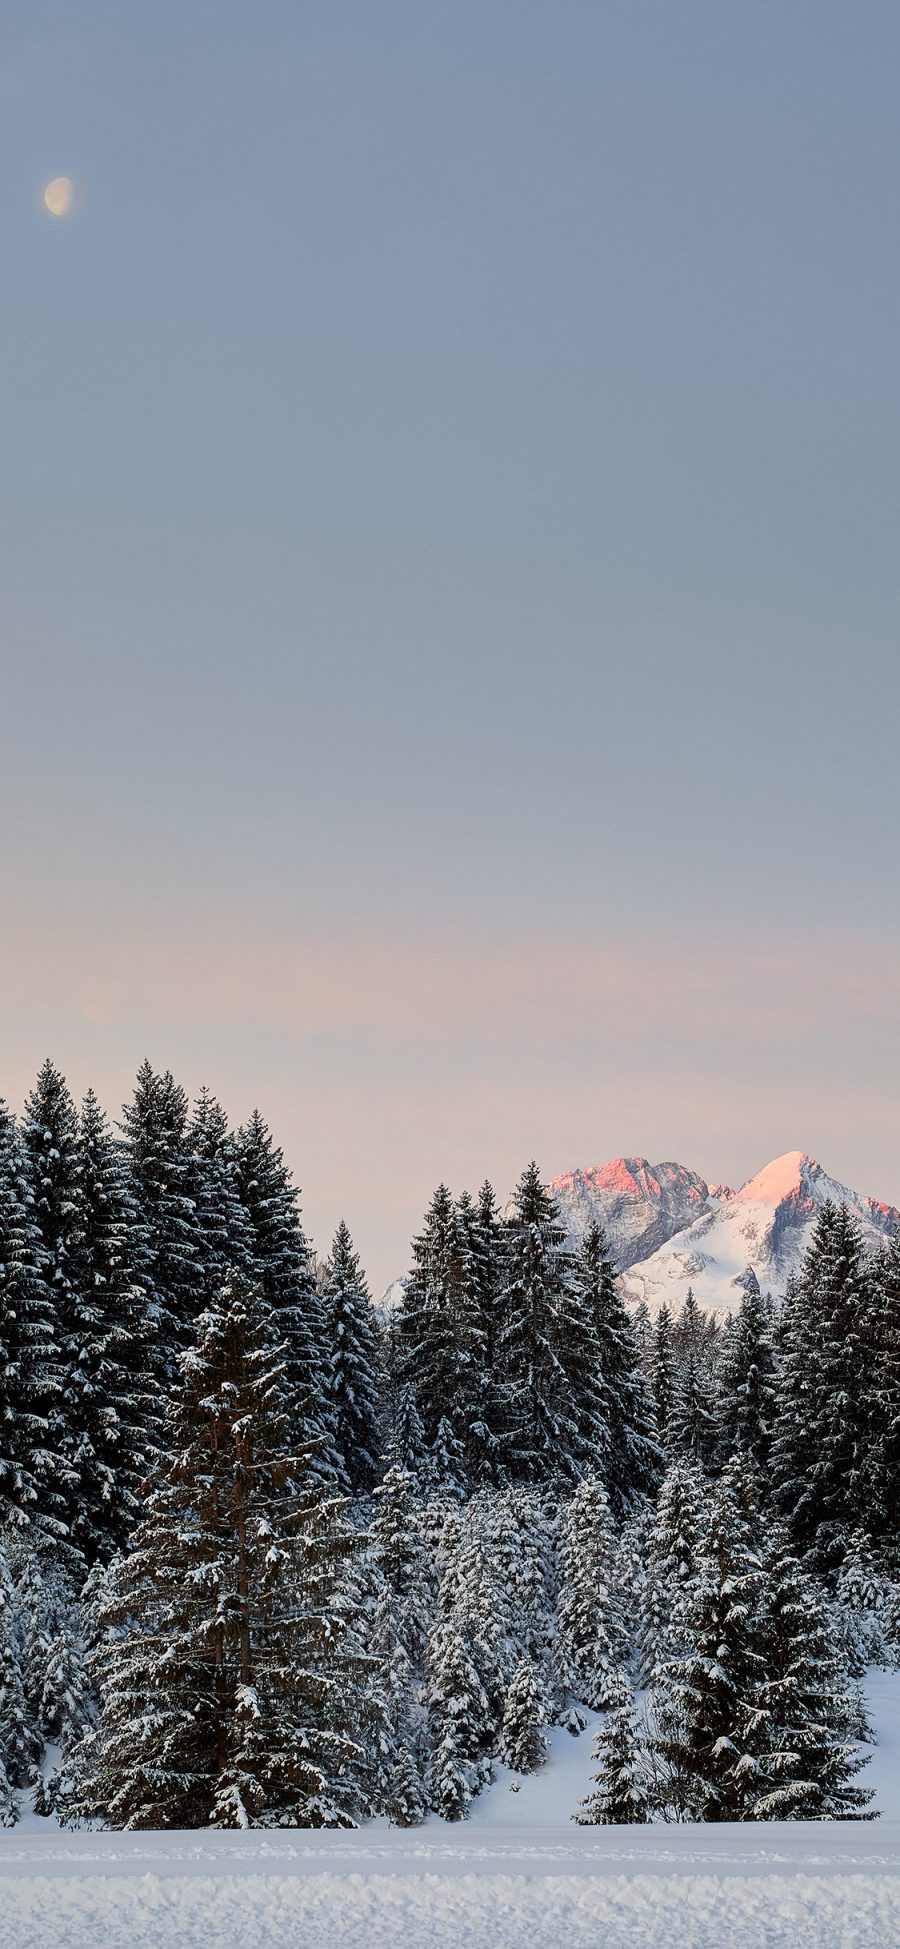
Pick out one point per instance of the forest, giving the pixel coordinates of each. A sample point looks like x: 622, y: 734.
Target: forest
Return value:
x: 273, y: 1557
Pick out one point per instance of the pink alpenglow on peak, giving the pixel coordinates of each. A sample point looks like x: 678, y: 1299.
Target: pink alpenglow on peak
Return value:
x: 670, y: 1231
x: 780, y: 1179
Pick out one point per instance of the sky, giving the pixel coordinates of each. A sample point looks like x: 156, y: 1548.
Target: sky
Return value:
x: 449, y: 676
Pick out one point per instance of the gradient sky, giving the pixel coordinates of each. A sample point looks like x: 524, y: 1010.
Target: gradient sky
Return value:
x: 451, y: 578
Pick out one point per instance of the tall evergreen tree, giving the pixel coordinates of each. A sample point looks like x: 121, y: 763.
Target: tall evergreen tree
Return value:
x: 34, y: 1474
x: 627, y: 1453
x: 160, y: 1169
x: 115, y: 1407
x: 664, y: 1375
x: 230, y: 1688
x: 355, y: 1373
x: 707, y: 1737
x: 541, y: 1415
x: 222, y: 1223
x: 747, y: 1385
x: 438, y: 1326
x: 882, y: 1402
x: 50, y: 1153
x: 485, y: 1240
x: 281, y: 1261
x: 589, y: 1624
x: 803, y: 1717
x: 821, y: 1447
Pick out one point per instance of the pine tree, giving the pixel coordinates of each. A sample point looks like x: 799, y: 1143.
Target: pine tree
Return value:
x: 281, y: 1261
x: 671, y: 1567
x: 438, y: 1326
x: 231, y: 1685
x: 222, y: 1224
x: 355, y: 1379
x: 460, y: 1721
x: 485, y: 1244
x: 34, y: 1475
x: 707, y: 1738
x: 626, y: 1451
x: 692, y: 1430
x: 160, y: 1171
x: 747, y: 1396
x: 821, y: 1449
x: 540, y: 1414
x: 523, y: 1742
x: 882, y: 1403
x: 114, y: 1402
x: 803, y: 1717
x: 663, y: 1368
x: 50, y: 1155
x: 589, y: 1624
x: 620, y: 1795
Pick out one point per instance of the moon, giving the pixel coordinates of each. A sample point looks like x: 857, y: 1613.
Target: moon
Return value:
x: 59, y: 196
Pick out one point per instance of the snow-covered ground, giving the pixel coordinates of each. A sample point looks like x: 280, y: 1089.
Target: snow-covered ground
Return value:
x: 517, y: 1875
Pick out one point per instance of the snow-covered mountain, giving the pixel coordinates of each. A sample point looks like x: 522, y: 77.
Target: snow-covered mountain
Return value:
x: 670, y: 1230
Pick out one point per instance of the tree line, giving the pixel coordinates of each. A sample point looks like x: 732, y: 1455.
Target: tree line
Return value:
x: 271, y: 1559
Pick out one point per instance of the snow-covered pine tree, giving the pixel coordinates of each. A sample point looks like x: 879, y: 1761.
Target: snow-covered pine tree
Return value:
x: 882, y: 1400
x: 540, y: 1413
x: 707, y: 1738
x: 232, y: 1684
x: 590, y: 1627
x: 804, y: 1717
x: 160, y: 1174
x: 17, y: 1742
x: 485, y: 1239
x: 747, y: 1401
x: 403, y: 1607
x: 49, y: 1133
x: 620, y: 1794
x: 626, y: 1452
x: 222, y: 1224
x: 110, y: 1347
x: 356, y: 1372
x: 34, y: 1474
x: 438, y: 1327
x: 461, y: 1722
x: 523, y: 1741
x: 692, y: 1429
x: 407, y: 1448
x: 281, y: 1261
x: 664, y: 1375
x: 671, y: 1565
x: 821, y: 1447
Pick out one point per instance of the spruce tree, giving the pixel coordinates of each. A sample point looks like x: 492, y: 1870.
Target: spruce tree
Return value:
x: 620, y: 1792
x: 671, y: 1565
x: 664, y: 1375
x: 485, y: 1241
x: 461, y: 1722
x: 747, y: 1386
x: 882, y: 1404
x: 35, y: 1476
x: 626, y: 1452
x: 355, y: 1368
x: 707, y: 1735
x: 222, y: 1224
x: 231, y: 1685
x: 541, y: 1415
x: 160, y: 1171
x: 281, y: 1262
x: 803, y: 1717
x: 589, y: 1622
x: 115, y: 1405
x: 821, y: 1449
x: 523, y: 1741
x: 50, y: 1154
x: 692, y: 1429
x: 438, y: 1326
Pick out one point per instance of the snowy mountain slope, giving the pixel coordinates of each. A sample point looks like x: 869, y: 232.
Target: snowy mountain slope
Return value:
x: 726, y: 1239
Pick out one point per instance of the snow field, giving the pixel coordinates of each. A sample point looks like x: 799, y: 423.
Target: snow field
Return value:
x: 517, y: 1875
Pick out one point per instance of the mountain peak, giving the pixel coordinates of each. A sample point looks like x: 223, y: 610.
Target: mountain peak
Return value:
x: 780, y: 1179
